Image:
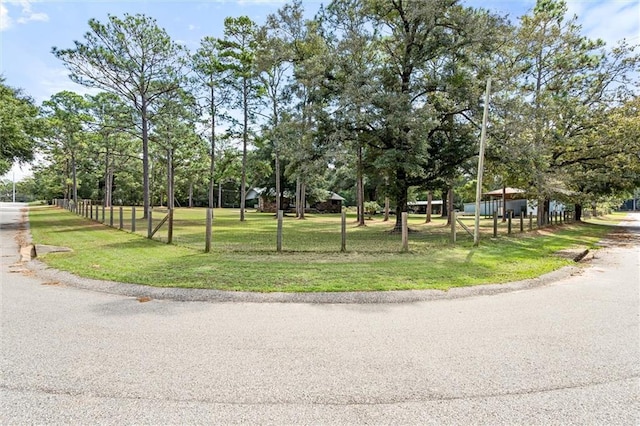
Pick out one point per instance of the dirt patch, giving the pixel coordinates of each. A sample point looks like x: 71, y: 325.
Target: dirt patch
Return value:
x: 621, y: 236
x: 576, y: 253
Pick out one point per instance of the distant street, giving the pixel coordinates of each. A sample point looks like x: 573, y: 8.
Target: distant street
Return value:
x: 564, y: 353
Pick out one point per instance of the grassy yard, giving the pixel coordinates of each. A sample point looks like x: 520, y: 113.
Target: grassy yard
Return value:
x: 243, y: 255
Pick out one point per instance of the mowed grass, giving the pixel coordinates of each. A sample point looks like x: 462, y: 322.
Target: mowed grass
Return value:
x: 244, y: 258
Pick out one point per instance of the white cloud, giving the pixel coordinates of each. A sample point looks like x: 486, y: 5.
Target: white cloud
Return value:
x: 42, y: 17
x: 610, y: 21
x: 25, y: 14
x: 5, y: 20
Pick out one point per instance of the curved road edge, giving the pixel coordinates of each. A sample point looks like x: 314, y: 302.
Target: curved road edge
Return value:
x: 220, y: 296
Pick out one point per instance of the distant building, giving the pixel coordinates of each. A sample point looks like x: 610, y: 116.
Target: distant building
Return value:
x: 420, y: 207
x: 514, y: 199
x: 264, y: 201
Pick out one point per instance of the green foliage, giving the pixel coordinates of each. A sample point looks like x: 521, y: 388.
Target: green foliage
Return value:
x: 19, y: 127
x: 371, y: 207
x: 553, y: 109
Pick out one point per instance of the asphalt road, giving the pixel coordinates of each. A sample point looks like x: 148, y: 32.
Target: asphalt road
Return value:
x: 567, y: 352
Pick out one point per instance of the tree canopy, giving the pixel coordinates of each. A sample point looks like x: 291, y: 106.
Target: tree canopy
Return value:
x: 373, y: 99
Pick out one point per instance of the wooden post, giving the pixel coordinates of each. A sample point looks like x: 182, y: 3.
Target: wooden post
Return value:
x: 279, y: 232
x: 121, y: 224
x: 483, y: 138
x: 343, y: 231
x: 509, y: 216
x: 133, y: 219
x: 453, y: 216
x: 170, y: 227
x: 103, y: 213
x: 207, y: 238
x: 495, y: 224
x: 111, y: 216
x: 150, y: 223
x: 530, y: 222
x: 521, y: 221
x: 405, y: 232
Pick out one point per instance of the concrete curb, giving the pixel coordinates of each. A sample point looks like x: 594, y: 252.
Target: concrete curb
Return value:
x: 219, y: 296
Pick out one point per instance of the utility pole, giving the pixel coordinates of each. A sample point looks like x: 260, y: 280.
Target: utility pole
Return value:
x: 483, y: 138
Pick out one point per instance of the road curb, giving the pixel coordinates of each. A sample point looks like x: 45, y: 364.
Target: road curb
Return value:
x: 221, y: 296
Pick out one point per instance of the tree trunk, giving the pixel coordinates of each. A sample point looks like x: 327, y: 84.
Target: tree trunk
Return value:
x: 303, y: 199
x: 298, y: 197
x: 449, y: 205
x: 386, y: 209
x: 245, y: 137
x: 429, y: 201
x: 402, y: 189
x: 212, y: 166
x: 74, y: 172
x: 360, y: 188
x: 541, y: 212
x: 504, y: 203
x: 106, y: 191
x: 191, y: 195
x: 278, y: 191
x: 578, y: 208
x: 145, y: 160
x: 170, y: 201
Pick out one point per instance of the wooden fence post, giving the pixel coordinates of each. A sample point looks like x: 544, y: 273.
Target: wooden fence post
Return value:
x: 111, y: 216
x: 150, y: 223
x: 133, y: 219
x: 207, y: 236
x: 405, y: 232
x: 279, y: 232
x: 531, y: 222
x: 509, y: 217
x: 495, y: 224
x: 343, y: 231
x: 453, y: 226
x: 103, y: 213
x: 121, y: 224
x: 521, y: 221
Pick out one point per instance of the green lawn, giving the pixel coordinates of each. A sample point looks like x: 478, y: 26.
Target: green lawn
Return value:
x: 243, y: 255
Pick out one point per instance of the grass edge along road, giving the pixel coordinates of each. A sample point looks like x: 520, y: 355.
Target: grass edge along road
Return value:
x: 101, y: 252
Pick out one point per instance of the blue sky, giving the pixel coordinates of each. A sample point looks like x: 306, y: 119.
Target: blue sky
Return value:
x: 29, y: 29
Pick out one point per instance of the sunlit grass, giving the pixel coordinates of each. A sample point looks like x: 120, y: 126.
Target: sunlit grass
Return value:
x: 244, y: 257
